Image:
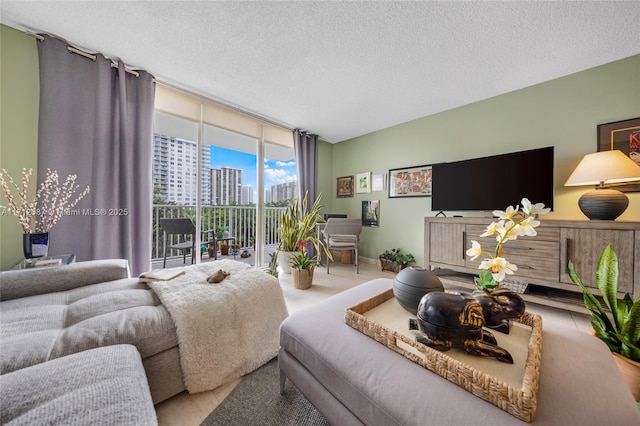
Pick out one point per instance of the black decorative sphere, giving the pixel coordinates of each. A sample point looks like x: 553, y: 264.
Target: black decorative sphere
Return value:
x: 411, y: 284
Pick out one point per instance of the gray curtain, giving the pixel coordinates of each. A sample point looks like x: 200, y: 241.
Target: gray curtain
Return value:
x: 305, y: 147
x: 96, y: 122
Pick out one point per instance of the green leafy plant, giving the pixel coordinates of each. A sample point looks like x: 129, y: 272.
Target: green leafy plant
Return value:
x: 298, y: 226
x: 272, y: 268
x: 302, y: 262
x: 621, y: 332
x: 397, y: 257
x: 512, y: 223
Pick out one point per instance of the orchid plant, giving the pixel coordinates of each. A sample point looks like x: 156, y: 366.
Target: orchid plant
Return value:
x: 512, y: 223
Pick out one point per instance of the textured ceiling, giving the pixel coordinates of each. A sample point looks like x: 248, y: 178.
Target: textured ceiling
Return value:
x: 343, y: 69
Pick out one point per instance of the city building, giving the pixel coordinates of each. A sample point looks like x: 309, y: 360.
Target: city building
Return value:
x: 284, y: 191
x: 226, y: 186
x: 247, y: 194
x: 175, y: 165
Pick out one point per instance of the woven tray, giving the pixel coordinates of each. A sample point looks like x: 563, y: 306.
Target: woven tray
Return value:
x: 515, y: 392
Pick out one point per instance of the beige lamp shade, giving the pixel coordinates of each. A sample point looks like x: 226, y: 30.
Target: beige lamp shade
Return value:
x: 604, y: 167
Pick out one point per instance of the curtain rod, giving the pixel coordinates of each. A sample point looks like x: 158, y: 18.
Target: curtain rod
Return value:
x: 223, y: 104
x: 87, y: 55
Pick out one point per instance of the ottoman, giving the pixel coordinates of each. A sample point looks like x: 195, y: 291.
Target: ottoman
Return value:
x: 352, y: 379
x: 105, y: 386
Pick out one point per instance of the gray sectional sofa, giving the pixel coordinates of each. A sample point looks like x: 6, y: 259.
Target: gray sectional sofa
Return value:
x: 48, y: 314
x: 105, y: 386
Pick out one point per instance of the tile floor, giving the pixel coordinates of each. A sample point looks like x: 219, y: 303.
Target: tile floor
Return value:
x: 186, y: 410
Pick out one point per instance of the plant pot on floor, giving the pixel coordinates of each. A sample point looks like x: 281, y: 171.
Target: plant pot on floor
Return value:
x: 630, y: 371
x: 302, y: 278
x: 387, y: 265
x: 283, y: 260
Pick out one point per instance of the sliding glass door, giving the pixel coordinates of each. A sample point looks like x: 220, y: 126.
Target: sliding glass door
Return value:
x: 226, y: 172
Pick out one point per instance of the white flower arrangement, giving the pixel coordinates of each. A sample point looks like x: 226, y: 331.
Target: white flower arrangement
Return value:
x: 511, y: 224
x: 50, y: 203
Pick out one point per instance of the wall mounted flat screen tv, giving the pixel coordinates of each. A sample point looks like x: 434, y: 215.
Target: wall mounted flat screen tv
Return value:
x: 495, y: 182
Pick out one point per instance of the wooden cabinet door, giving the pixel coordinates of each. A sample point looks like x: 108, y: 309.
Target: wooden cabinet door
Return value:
x: 584, y: 247
x: 536, y: 257
x: 446, y: 241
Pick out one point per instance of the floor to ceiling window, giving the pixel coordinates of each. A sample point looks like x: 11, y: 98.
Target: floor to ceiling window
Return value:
x: 224, y: 169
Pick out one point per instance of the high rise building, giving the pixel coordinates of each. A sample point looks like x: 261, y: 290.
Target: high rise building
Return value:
x: 247, y: 194
x: 226, y: 186
x: 284, y: 191
x: 175, y: 165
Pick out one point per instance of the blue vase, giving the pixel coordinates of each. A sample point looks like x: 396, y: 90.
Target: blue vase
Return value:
x: 35, y: 245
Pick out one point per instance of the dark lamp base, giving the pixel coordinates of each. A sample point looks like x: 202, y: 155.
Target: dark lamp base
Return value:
x: 603, y: 204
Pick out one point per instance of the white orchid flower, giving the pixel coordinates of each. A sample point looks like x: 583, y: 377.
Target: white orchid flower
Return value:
x: 511, y: 233
x: 528, y: 226
x: 533, y: 209
x: 507, y: 214
x: 475, y: 250
x: 492, y: 229
x: 499, y: 268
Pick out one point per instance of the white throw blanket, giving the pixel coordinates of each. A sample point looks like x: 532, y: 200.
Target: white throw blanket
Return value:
x: 225, y: 330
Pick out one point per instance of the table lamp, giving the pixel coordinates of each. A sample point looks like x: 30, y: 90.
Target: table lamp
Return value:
x: 600, y: 169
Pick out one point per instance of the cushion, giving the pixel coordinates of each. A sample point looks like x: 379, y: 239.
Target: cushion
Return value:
x: 39, y: 328
x: 105, y: 386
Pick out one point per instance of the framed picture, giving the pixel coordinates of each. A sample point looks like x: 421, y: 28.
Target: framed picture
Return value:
x: 371, y: 213
x: 344, y: 187
x: 410, y: 182
x: 624, y: 136
x: 363, y: 182
x: 379, y: 182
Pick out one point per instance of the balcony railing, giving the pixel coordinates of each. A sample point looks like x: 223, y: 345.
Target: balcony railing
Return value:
x: 239, y: 220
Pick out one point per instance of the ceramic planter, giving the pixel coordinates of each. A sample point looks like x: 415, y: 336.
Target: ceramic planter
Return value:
x: 630, y: 371
x: 283, y: 260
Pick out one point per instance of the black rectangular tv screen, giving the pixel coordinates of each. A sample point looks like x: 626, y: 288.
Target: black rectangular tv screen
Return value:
x: 493, y: 183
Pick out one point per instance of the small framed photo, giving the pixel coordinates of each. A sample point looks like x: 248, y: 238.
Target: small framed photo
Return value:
x: 624, y: 136
x: 379, y: 182
x: 344, y: 187
x: 371, y: 213
x: 410, y: 182
x: 363, y: 182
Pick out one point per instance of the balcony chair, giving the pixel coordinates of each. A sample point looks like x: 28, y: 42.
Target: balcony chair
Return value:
x: 342, y: 235
x: 185, y: 228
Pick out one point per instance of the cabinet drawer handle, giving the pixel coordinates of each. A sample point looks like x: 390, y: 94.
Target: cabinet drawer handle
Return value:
x: 464, y: 238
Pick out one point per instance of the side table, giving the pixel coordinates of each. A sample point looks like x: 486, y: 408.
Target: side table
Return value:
x: 44, y: 262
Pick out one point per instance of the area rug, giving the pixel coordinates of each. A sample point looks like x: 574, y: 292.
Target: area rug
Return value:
x: 256, y: 401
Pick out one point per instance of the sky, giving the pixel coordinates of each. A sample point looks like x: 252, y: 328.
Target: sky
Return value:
x: 275, y: 171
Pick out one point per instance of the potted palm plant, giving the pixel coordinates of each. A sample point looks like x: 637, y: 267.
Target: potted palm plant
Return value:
x: 297, y: 228
x: 619, y: 329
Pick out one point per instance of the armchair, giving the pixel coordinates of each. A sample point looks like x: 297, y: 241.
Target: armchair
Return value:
x: 342, y: 235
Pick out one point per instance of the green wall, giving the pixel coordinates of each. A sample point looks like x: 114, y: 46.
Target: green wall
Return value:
x: 19, y: 97
x: 562, y: 112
